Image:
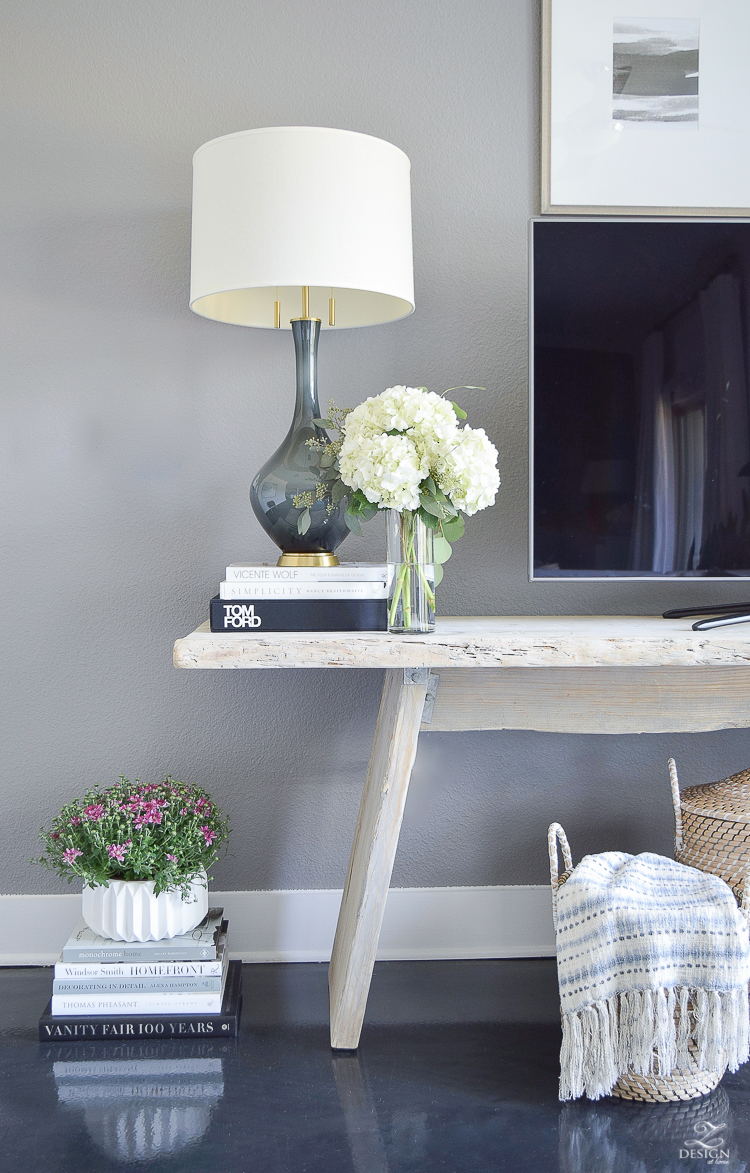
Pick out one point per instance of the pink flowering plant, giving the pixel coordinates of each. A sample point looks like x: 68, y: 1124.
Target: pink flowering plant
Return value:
x: 162, y: 831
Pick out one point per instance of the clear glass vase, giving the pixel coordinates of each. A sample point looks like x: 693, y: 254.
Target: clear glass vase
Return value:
x: 411, y: 595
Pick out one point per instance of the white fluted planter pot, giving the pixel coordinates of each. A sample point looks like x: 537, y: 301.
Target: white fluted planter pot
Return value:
x: 128, y: 910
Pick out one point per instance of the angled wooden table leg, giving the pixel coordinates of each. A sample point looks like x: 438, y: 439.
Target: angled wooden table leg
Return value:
x: 374, y: 850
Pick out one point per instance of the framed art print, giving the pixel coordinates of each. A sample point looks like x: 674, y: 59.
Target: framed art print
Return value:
x: 646, y: 107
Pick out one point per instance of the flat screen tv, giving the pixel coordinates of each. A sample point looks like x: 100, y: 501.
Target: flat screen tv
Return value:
x: 640, y: 418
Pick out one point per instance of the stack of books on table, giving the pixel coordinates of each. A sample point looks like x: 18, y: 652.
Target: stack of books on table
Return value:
x: 256, y: 597
x: 179, y: 987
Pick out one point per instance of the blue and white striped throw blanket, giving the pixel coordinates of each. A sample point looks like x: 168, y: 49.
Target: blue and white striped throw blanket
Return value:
x: 638, y: 938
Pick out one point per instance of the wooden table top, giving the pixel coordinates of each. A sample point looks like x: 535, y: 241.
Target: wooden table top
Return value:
x: 492, y: 641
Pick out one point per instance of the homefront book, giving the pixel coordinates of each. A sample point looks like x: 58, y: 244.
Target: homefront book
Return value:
x: 126, y: 970
x: 143, y: 979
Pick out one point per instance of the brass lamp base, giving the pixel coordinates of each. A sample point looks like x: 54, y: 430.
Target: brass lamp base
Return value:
x: 322, y: 559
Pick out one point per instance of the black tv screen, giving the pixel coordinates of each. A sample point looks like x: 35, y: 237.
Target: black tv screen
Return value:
x: 640, y: 419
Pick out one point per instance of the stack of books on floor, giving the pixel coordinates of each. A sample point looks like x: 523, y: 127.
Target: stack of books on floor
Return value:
x: 256, y: 597
x: 180, y: 987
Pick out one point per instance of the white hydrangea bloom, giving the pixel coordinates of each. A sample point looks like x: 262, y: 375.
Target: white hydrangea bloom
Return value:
x: 429, y: 420
x: 388, y: 469
x: 468, y: 473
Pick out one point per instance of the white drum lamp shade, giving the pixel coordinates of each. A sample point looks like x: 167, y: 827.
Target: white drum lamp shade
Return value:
x: 283, y: 207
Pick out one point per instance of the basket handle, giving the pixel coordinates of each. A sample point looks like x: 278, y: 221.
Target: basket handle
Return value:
x: 556, y: 834
x: 675, y: 783
x: 745, y: 902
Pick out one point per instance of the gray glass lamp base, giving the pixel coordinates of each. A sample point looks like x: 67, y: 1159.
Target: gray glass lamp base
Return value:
x: 294, y: 472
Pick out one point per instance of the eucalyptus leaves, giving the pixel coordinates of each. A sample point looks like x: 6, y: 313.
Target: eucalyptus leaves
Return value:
x: 405, y: 449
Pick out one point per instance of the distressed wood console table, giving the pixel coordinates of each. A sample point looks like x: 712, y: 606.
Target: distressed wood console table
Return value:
x: 571, y: 674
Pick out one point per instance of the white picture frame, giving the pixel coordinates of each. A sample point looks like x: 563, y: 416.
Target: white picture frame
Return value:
x: 609, y: 148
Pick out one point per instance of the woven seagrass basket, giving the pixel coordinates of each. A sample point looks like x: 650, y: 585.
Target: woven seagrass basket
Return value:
x: 647, y: 1089
x: 712, y: 830
x: 618, y: 1137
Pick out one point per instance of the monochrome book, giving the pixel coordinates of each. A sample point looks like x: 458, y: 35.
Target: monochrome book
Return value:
x: 140, y: 970
x: 198, y: 945
x: 141, y: 981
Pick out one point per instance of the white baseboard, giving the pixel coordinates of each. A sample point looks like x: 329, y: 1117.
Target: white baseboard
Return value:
x: 420, y: 924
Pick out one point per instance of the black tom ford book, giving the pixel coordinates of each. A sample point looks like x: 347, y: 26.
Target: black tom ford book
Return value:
x: 238, y: 617
x: 132, y: 1027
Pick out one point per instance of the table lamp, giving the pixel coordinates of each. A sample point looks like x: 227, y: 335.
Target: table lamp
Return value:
x: 297, y: 224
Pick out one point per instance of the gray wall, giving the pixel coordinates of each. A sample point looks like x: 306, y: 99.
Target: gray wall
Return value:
x: 132, y: 429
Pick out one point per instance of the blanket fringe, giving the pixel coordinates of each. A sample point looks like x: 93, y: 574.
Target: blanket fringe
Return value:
x: 651, y: 1032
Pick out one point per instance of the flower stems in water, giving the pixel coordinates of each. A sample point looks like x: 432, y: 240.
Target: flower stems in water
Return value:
x: 409, y: 559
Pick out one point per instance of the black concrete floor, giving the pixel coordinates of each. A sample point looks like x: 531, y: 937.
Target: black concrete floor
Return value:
x: 457, y: 1070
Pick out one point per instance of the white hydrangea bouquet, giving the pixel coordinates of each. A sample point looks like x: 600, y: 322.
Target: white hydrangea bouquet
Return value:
x: 406, y: 451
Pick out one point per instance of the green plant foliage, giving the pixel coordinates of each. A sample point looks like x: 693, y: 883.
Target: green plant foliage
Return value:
x: 360, y: 507
x: 166, y: 832
x: 453, y: 528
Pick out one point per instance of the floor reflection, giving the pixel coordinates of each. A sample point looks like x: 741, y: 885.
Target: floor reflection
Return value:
x: 139, y: 1103
x: 360, y: 1116
x: 614, y: 1136
x: 405, y: 1136
x: 475, y: 1095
